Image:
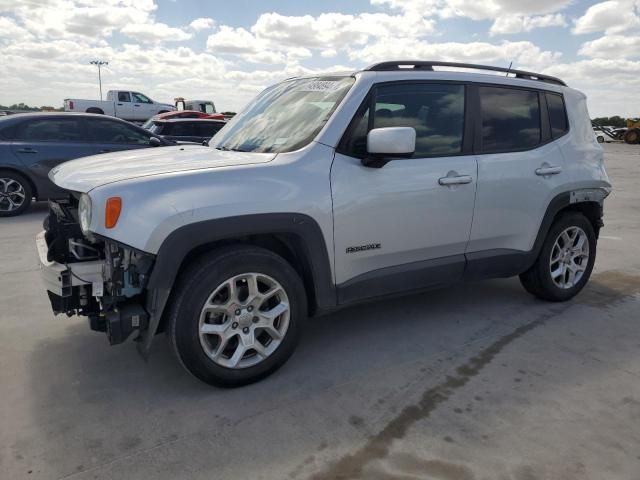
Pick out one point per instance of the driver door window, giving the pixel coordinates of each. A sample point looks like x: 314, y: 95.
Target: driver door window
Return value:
x: 435, y: 111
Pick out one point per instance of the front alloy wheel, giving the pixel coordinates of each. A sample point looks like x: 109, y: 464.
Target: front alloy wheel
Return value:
x: 235, y: 315
x: 244, y: 320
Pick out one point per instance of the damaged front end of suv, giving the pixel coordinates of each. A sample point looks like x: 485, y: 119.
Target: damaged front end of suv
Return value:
x: 89, y: 275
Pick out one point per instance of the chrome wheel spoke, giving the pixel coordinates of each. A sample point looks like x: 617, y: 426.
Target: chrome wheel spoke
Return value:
x: 569, y: 257
x: 12, y: 195
x: 214, y: 329
x: 237, y: 355
x: 275, y: 312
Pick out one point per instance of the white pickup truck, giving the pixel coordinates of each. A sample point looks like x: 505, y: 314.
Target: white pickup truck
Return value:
x: 124, y: 104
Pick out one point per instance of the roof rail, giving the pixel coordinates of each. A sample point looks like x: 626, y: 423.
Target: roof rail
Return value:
x: 428, y: 66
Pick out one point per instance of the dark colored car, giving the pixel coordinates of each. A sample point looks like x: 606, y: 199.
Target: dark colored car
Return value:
x: 187, y: 129
x: 32, y: 144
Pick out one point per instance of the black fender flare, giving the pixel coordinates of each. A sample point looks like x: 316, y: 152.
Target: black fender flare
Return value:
x: 182, y: 241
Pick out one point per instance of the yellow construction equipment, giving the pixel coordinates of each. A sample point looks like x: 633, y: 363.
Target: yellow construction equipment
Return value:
x: 632, y: 135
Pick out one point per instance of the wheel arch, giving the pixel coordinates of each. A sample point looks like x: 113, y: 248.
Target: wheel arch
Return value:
x: 95, y: 110
x: 296, y: 237
x: 586, y: 202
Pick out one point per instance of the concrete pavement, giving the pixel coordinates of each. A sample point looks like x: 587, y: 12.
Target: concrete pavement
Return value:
x: 471, y: 382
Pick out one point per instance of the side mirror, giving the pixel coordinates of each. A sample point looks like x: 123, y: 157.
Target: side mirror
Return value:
x: 383, y: 144
x: 155, y: 142
x: 205, y: 143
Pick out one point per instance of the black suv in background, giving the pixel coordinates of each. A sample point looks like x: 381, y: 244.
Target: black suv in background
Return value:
x: 32, y: 144
x: 187, y: 129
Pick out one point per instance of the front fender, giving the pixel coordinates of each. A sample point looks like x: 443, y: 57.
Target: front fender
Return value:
x: 184, y: 240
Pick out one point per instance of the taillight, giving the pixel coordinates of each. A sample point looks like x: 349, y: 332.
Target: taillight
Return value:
x: 70, y: 104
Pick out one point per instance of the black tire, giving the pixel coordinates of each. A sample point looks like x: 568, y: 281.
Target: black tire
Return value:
x: 95, y: 110
x: 632, y: 136
x: 600, y: 139
x: 538, y: 281
x: 197, y: 283
x: 26, y: 187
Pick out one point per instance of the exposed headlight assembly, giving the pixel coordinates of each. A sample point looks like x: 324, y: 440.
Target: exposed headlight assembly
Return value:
x: 84, y: 212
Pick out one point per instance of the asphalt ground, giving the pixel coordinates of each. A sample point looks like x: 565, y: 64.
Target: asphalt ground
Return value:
x: 477, y: 381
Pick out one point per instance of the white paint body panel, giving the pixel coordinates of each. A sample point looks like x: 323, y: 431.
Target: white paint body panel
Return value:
x: 401, y: 205
x: 403, y: 208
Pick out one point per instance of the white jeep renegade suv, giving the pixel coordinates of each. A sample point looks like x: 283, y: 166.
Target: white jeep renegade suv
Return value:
x: 327, y: 191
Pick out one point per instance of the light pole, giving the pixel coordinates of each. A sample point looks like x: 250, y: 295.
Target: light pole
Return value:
x: 99, y: 63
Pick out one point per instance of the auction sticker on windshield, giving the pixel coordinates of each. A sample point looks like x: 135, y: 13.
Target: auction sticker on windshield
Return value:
x: 320, y: 86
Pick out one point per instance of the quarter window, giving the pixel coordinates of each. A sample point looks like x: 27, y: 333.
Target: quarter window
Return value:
x: 557, y: 115
x: 510, y: 119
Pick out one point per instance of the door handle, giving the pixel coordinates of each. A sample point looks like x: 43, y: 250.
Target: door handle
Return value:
x: 136, y: 105
x: 119, y: 104
x: 548, y: 170
x: 455, y: 180
x: 27, y: 150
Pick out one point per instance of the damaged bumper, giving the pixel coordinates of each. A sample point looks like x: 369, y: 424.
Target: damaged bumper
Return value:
x: 93, y: 277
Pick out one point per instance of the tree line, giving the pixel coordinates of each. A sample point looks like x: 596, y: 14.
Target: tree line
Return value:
x: 615, y: 121
x: 25, y: 107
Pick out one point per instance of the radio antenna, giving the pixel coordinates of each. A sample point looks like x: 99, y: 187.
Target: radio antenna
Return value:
x: 508, y: 69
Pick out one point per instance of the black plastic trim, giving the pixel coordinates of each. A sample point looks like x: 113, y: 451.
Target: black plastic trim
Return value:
x: 404, y: 278
x: 184, y: 240
x: 421, y: 65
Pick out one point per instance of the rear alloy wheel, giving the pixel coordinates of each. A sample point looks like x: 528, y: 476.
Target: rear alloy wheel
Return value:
x: 566, y: 260
x: 15, y: 194
x: 236, y: 314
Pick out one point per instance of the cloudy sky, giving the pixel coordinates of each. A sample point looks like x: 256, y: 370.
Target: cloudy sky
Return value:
x: 228, y: 50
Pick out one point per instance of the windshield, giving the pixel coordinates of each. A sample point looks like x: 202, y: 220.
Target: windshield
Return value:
x: 285, y: 117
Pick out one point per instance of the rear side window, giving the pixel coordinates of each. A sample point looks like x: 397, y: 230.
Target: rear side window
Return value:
x: 209, y: 129
x: 52, y: 130
x: 124, y: 97
x: 510, y: 119
x: 182, y: 129
x: 106, y: 131
x: 557, y: 115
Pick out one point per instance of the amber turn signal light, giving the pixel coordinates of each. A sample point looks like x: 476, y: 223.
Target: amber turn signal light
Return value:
x: 112, y: 211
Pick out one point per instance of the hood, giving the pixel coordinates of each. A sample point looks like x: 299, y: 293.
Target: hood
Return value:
x: 87, y: 173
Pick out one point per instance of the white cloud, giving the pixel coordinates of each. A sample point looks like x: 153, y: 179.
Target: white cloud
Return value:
x: 155, y: 32
x: 612, y: 47
x: 522, y: 54
x: 506, y: 24
x: 476, y: 10
x: 49, y: 43
x: 615, y: 16
x: 203, y: 23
